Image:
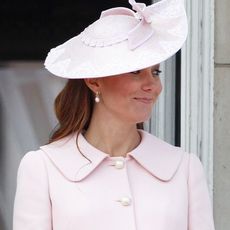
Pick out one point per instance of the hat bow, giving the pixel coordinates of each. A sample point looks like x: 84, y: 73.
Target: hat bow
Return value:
x: 142, y: 11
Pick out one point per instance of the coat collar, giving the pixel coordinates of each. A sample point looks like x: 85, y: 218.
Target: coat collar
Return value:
x: 159, y: 158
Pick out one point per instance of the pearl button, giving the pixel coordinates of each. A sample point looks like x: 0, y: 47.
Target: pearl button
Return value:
x: 119, y: 164
x: 125, y: 201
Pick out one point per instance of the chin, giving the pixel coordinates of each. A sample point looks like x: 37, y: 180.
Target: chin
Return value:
x: 143, y: 118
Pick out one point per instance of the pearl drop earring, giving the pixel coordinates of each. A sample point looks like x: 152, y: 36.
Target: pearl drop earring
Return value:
x: 97, y: 98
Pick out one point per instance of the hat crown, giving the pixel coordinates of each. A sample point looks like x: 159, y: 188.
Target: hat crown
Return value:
x: 110, y: 26
x: 109, y: 30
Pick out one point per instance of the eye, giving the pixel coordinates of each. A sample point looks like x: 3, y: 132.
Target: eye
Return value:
x: 156, y: 72
x: 136, y: 72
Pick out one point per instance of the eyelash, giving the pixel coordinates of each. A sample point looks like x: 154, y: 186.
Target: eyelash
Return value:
x: 155, y: 72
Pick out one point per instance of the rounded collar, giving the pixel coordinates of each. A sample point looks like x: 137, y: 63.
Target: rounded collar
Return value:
x: 156, y: 156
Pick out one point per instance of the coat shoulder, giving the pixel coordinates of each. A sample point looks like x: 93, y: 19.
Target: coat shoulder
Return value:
x: 34, y: 157
x: 32, y: 162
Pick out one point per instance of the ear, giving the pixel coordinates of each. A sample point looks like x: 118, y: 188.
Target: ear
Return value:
x: 93, y: 84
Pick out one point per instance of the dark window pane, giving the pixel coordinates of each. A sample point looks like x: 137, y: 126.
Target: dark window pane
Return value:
x: 30, y: 28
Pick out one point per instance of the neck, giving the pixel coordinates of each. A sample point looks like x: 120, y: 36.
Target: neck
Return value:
x: 111, y: 136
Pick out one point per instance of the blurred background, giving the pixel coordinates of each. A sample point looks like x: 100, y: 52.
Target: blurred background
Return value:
x: 193, y: 111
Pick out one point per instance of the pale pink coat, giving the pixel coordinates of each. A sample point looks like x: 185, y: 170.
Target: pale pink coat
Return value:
x: 158, y: 187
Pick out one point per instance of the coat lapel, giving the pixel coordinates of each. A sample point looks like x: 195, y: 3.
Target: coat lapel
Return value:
x: 156, y: 156
x: 66, y: 157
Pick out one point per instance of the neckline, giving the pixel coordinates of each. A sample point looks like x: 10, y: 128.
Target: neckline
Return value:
x: 85, y: 145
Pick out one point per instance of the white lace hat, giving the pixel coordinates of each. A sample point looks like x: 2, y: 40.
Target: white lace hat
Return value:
x: 122, y: 41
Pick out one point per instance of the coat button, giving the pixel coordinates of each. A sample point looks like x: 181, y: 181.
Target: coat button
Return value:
x: 125, y: 201
x: 119, y: 164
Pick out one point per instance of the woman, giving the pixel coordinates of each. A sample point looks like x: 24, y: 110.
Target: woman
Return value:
x: 99, y: 170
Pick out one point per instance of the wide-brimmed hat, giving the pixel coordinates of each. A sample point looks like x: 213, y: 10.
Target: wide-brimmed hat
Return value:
x: 122, y: 41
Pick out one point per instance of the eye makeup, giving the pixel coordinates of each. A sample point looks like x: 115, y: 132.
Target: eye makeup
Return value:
x: 156, y: 72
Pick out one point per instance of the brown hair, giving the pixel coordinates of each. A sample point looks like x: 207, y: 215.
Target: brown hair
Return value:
x: 73, y: 107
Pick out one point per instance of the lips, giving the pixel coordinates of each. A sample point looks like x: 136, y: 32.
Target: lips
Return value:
x: 145, y: 100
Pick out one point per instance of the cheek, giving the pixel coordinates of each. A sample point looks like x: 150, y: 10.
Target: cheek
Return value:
x: 116, y: 91
x: 158, y: 88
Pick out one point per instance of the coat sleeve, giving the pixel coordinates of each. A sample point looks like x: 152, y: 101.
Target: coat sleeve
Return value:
x: 200, y: 209
x: 32, y: 206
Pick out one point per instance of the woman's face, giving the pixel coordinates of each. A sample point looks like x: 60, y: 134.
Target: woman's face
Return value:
x: 130, y: 97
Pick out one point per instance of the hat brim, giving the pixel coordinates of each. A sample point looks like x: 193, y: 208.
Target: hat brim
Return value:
x: 75, y: 60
